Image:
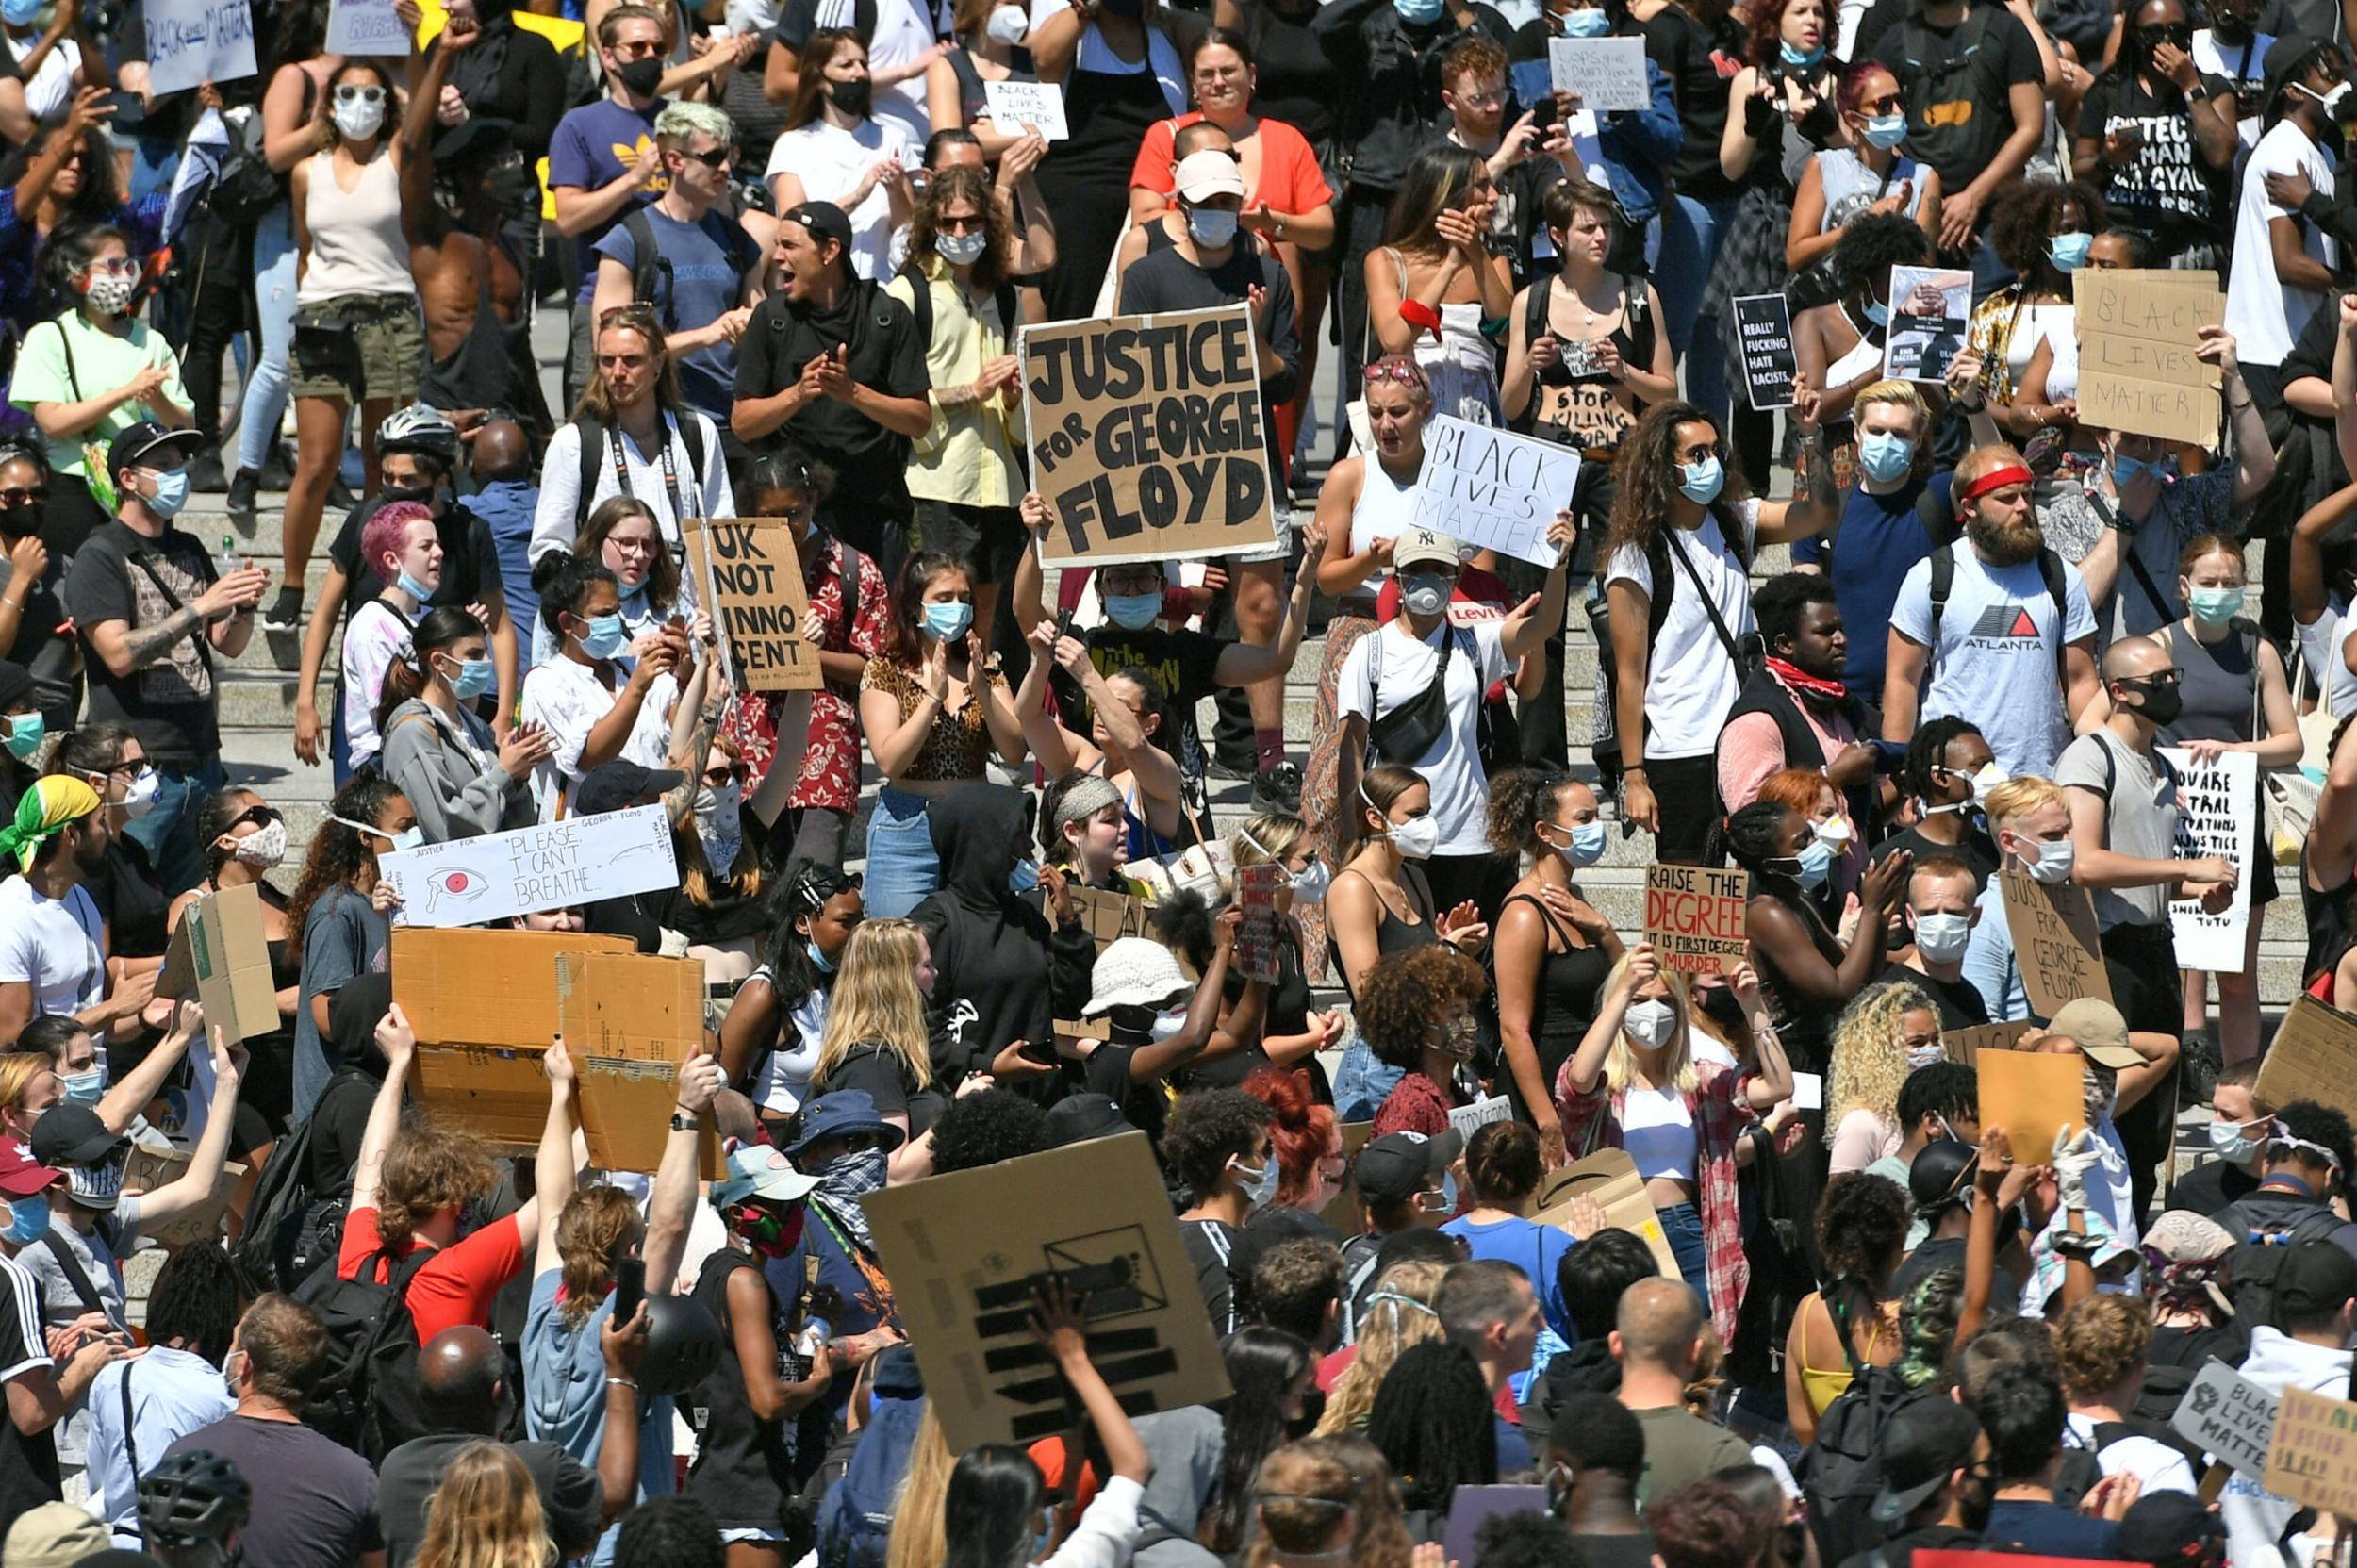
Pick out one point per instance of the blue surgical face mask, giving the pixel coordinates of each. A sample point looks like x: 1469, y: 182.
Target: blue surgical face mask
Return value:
x: 411, y: 837
x: 1800, y: 59
x: 1418, y: 13
x: 1024, y: 876
x: 1886, y: 455
x: 2069, y: 252
x: 2215, y: 606
x: 411, y: 587
x: 19, y: 13
x: 1701, y: 482
x: 1043, y: 1542
x: 26, y: 732
x: 28, y: 1220
x: 172, y: 494
x: 1886, y: 130
x: 1593, y: 23
x: 947, y: 622
x: 1212, y: 226
x: 85, y: 1088
x: 1133, y: 612
x: 1878, y: 312
x: 1815, y: 860
x: 1587, y: 845
x: 605, y: 636
x: 818, y: 961
x: 2127, y: 470
x: 475, y: 679
x: 1259, y: 1187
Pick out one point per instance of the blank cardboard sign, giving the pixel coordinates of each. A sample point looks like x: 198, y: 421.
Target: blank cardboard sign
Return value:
x: 2033, y: 1096
x: 965, y: 1252
x: 2314, y: 1057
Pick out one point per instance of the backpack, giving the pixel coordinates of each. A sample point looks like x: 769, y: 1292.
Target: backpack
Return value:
x: 2250, y: 1268
x: 291, y: 1229
x: 246, y: 187
x: 922, y: 303
x: 650, y: 278
x: 1639, y: 319
x: 369, y: 1399
x: 2049, y: 571
x: 595, y: 433
x: 1605, y: 746
x: 855, y: 1518
x: 1841, y: 1472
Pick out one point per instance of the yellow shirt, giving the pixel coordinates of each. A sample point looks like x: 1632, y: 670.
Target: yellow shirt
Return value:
x: 967, y: 455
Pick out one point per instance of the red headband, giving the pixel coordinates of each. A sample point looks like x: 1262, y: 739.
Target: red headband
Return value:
x: 1995, y: 479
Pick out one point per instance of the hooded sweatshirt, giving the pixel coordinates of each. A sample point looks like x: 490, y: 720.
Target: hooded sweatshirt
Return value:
x: 2254, y: 1516
x: 342, y: 1115
x: 990, y: 948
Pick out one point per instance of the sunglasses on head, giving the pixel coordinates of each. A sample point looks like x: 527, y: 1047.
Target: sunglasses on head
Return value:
x: 1406, y: 374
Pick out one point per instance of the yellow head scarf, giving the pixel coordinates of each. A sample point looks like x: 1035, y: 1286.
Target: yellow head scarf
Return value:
x: 52, y: 802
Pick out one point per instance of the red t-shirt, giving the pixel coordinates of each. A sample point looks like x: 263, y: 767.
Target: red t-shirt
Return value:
x: 1290, y: 180
x: 457, y: 1286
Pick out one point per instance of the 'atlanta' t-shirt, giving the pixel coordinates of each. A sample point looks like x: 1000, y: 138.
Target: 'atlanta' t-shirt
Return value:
x: 1995, y: 659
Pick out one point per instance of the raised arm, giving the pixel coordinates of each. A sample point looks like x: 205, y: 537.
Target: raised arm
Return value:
x: 196, y: 1185
x: 398, y: 1043
x: 672, y: 1208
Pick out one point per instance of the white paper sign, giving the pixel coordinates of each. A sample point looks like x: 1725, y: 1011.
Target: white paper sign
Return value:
x: 1808, y: 1091
x: 1608, y: 72
x: 1469, y: 1119
x: 365, y: 27
x: 1009, y: 105
x: 191, y: 42
x: 2219, y: 802
x: 1486, y: 487
x: 2230, y: 1416
x: 580, y: 860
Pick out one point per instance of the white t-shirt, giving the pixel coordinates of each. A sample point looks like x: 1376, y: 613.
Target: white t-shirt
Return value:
x: 708, y: 492
x: 2213, y: 59
x: 1690, y: 682
x: 1995, y: 661
x: 2266, y: 317
x: 50, y: 92
x: 1394, y: 668
x: 54, y: 944
x: 373, y: 640
x: 831, y: 161
x: 2160, y: 1467
x: 564, y: 695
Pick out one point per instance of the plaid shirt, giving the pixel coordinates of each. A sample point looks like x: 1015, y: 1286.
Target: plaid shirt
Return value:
x: 1720, y: 1110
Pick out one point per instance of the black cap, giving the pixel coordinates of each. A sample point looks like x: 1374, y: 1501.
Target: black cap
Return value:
x: 824, y: 219
x: 72, y: 1134
x: 150, y: 443
x: 1398, y: 1165
x: 1077, y: 1118
x: 2172, y: 1529
x: 619, y: 784
x: 2315, y: 1276
x: 1941, y: 1175
x: 1926, y: 1441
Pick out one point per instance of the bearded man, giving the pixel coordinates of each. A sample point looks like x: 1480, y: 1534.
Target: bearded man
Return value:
x: 1994, y: 627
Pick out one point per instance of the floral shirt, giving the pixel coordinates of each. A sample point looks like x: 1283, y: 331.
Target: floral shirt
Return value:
x: 830, y: 765
x: 1416, y: 1104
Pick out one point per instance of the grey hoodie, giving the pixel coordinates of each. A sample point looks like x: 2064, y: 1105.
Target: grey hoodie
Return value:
x: 450, y: 777
x: 2254, y: 1516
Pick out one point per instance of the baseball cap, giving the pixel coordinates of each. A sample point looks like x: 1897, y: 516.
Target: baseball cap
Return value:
x: 1207, y: 174
x: 1398, y: 1165
x: 72, y: 1134
x: 1940, y: 1175
x: 21, y: 1175
x: 2172, y: 1527
x: 617, y: 784
x: 55, y: 1535
x: 2096, y: 1029
x: 1134, y: 971
x: 1924, y: 1442
x: 1079, y: 1118
x: 759, y: 1171
x: 153, y: 445
x: 2315, y: 1277
x: 1417, y: 546
x: 824, y: 219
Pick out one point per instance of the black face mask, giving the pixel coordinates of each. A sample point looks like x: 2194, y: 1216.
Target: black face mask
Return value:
x: 641, y: 77
x: 1975, y: 1499
x: 19, y: 522
x: 2158, y: 702
x: 852, y: 97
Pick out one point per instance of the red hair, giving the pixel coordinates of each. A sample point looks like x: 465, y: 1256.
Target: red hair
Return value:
x: 381, y: 534
x: 1301, y: 1132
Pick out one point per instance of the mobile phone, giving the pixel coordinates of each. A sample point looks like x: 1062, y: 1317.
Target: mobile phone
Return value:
x: 1038, y: 1051
x: 630, y: 1288
x: 1542, y: 113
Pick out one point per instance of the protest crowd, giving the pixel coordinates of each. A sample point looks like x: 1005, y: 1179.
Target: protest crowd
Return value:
x: 1215, y: 783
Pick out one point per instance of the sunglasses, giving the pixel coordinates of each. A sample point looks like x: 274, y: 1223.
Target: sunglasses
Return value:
x: 261, y: 817
x: 351, y: 93
x: 638, y: 49
x: 12, y: 500
x: 720, y: 778
x: 1887, y: 104
x: 719, y: 157
x: 1406, y: 374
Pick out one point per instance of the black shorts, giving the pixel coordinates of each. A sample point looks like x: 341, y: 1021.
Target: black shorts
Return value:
x: 989, y: 539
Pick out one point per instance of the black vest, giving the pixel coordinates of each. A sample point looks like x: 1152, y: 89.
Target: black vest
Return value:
x: 1764, y: 693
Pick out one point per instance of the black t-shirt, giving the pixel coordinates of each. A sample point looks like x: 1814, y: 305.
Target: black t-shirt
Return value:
x: 45, y: 645
x: 470, y: 562
x: 314, y: 1499
x: 570, y: 1497
x: 799, y: 19
x: 640, y: 917
x: 1976, y: 852
x: 2167, y: 187
x: 1960, y: 1005
x: 1184, y: 663
x: 1614, y: 1551
x: 1165, y: 280
x: 2211, y: 1186
x: 28, y: 1465
x: 1934, y: 1256
x: 888, y: 1080
x: 1223, y: 1257
x: 886, y: 353
x: 1956, y: 88
x: 134, y: 907
x: 170, y: 703
x: 1701, y: 60
x: 1106, y: 1071
x: 338, y: 1121
x: 1293, y: 80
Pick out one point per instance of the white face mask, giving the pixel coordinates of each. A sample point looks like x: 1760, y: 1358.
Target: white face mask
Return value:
x: 1168, y: 1022
x: 1417, y: 838
x: 1833, y: 832
x: 1985, y: 782
x: 359, y: 119
x: 1007, y: 25
x: 1941, y: 938
x: 1650, y: 1023
x: 2054, y: 859
x: 263, y: 848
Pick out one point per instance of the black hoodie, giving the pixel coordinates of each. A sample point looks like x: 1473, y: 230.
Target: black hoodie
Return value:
x: 991, y: 948
x: 342, y: 1115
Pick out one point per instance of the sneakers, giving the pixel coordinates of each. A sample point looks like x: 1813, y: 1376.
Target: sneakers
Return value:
x: 1278, y: 791
x: 284, y: 613
x: 245, y: 491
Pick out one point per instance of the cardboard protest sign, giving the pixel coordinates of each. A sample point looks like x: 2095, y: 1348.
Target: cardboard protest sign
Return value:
x: 149, y: 1168
x: 2219, y: 801
x: 2312, y: 1454
x: 1966, y: 1044
x: 1770, y: 365
x: 1256, y: 940
x: 752, y: 579
x: 1148, y: 437
x: 966, y: 1253
x: 1110, y: 916
x: 2054, y: 941
x: 219, y: 951
x: 1931, y: 308
x: 1470, y: 1119
x: 1696, y: 916
x: 2314, y: 1057
x: 2230, y: 1416
x: 2033, y: 1096
x: 1608, y: 72
x: 1609, y: 1177
x: 473, y: 882
x: 1013, y: 106
x: 2137, y: 335
x: 1486, y: 487
x: 191, y: 42
x: 365, y: 27
x: 1344, y: 1212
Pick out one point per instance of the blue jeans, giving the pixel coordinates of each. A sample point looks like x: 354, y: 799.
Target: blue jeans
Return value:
x: 167, y: 832
x: 265, y: 382
x: 1364, y: 1082
x: 1683, y: 1224
x: 1691, y: 231
x: 902, y: 868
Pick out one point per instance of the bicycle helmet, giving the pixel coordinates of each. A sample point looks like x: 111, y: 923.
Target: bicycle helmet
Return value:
x: 419, y: 429
x: 192, y: 1498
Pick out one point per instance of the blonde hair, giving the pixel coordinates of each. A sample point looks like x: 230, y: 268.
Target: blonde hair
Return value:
x: 918, y: 1537
x: 1620, y: 1062
x: 1268, y: 839
x: 485, y: 1513
x: 1901, y: 393
x: 1387, y: 1329
x: 1868, y: 1062
x: 697, y: 874
x: 18, y: 1069
x: 2017, y: 798
x: 595, y: 1224
x: 876, y: 999
x: 1296, y: 1493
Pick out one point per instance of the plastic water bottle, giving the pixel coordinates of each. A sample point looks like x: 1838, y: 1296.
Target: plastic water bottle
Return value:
x: 227, y: 558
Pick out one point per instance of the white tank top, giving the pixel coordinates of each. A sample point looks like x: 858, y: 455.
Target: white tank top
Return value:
x: 1386, y: 508
x: 1658, y: 1131
x: 356, y: 243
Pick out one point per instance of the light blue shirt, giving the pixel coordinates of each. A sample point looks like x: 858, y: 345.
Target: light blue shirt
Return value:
x: 565, y: 1396
x: 1989, y: 961
x: 173, y: 1393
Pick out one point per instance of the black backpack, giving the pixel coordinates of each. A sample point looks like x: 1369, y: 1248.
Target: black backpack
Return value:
x: 1841, y: 1472
x: 650, y: 278
x: 595, y: 433
x: 291, y: 1229
x: 2259, y: 1252
x: 246, y: 187
x: 370, y: 1400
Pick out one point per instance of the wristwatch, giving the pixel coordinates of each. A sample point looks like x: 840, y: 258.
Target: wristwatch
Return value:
x: 682, y: 1121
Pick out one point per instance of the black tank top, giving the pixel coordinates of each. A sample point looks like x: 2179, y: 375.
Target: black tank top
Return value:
x: 1564, y: 1003
x: 744, y: 1469
x: 1391, y: 933
x: 1804, y: 1031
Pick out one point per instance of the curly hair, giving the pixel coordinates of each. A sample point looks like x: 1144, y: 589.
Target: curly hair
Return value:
x: 324, y: 111
x: 594, y: 1226
x: 1927, y: 749
x: 2102, y: 1341
x: 967, y: 183
x: 1405, y: 997
x: 1869, y: 1064
x: 1432, y: 1420
x: 563, y: 580
x: 1296, y: 1284
x: 1778, y: 604
x: 1300, y: 1131
x: 1870, y: 245
x: 428, y: 1169
x: 1645, y: 475
x: 1767, y: 32
x: 985, y: 1127
x: 1399, y: 1313
x: 1208, y: 1128
x: 1861, y: 1228
x: 1520, y: 800
x: 1704, y: 1525
x: 338, y: 854
x: 2021, y: 212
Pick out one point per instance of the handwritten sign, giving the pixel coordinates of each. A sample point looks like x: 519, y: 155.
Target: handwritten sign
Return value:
x: 2312, y: 1454
x: 1147, y: 436
x: 365, y: 27
x: 2230, y: 1416
x: 1585, y: 413
x: 1608, y: 72
x: 1256, y: 939
x: 2053, y: 942
x: 1110, y: 916
x: 1764, y: 322
x: 1489, y: 489
x: 472, y: 882
x: 2314, y: 1057
x: 2137, y: 367
x: 1696, y: 916
x: 1027, y: 106
x: 1930, y: 310
x: 2218, y: 801
x: 1966, y: 1044
x: 191, y: 42
x: 1470, y: 1119
x: 752, y: 579
x: 2035, y: 1095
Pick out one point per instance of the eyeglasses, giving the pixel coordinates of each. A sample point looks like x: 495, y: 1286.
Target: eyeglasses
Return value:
x: 354, y: 93
x: 115, y: 266
x: 636, y: 49
x: 12, y: 500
